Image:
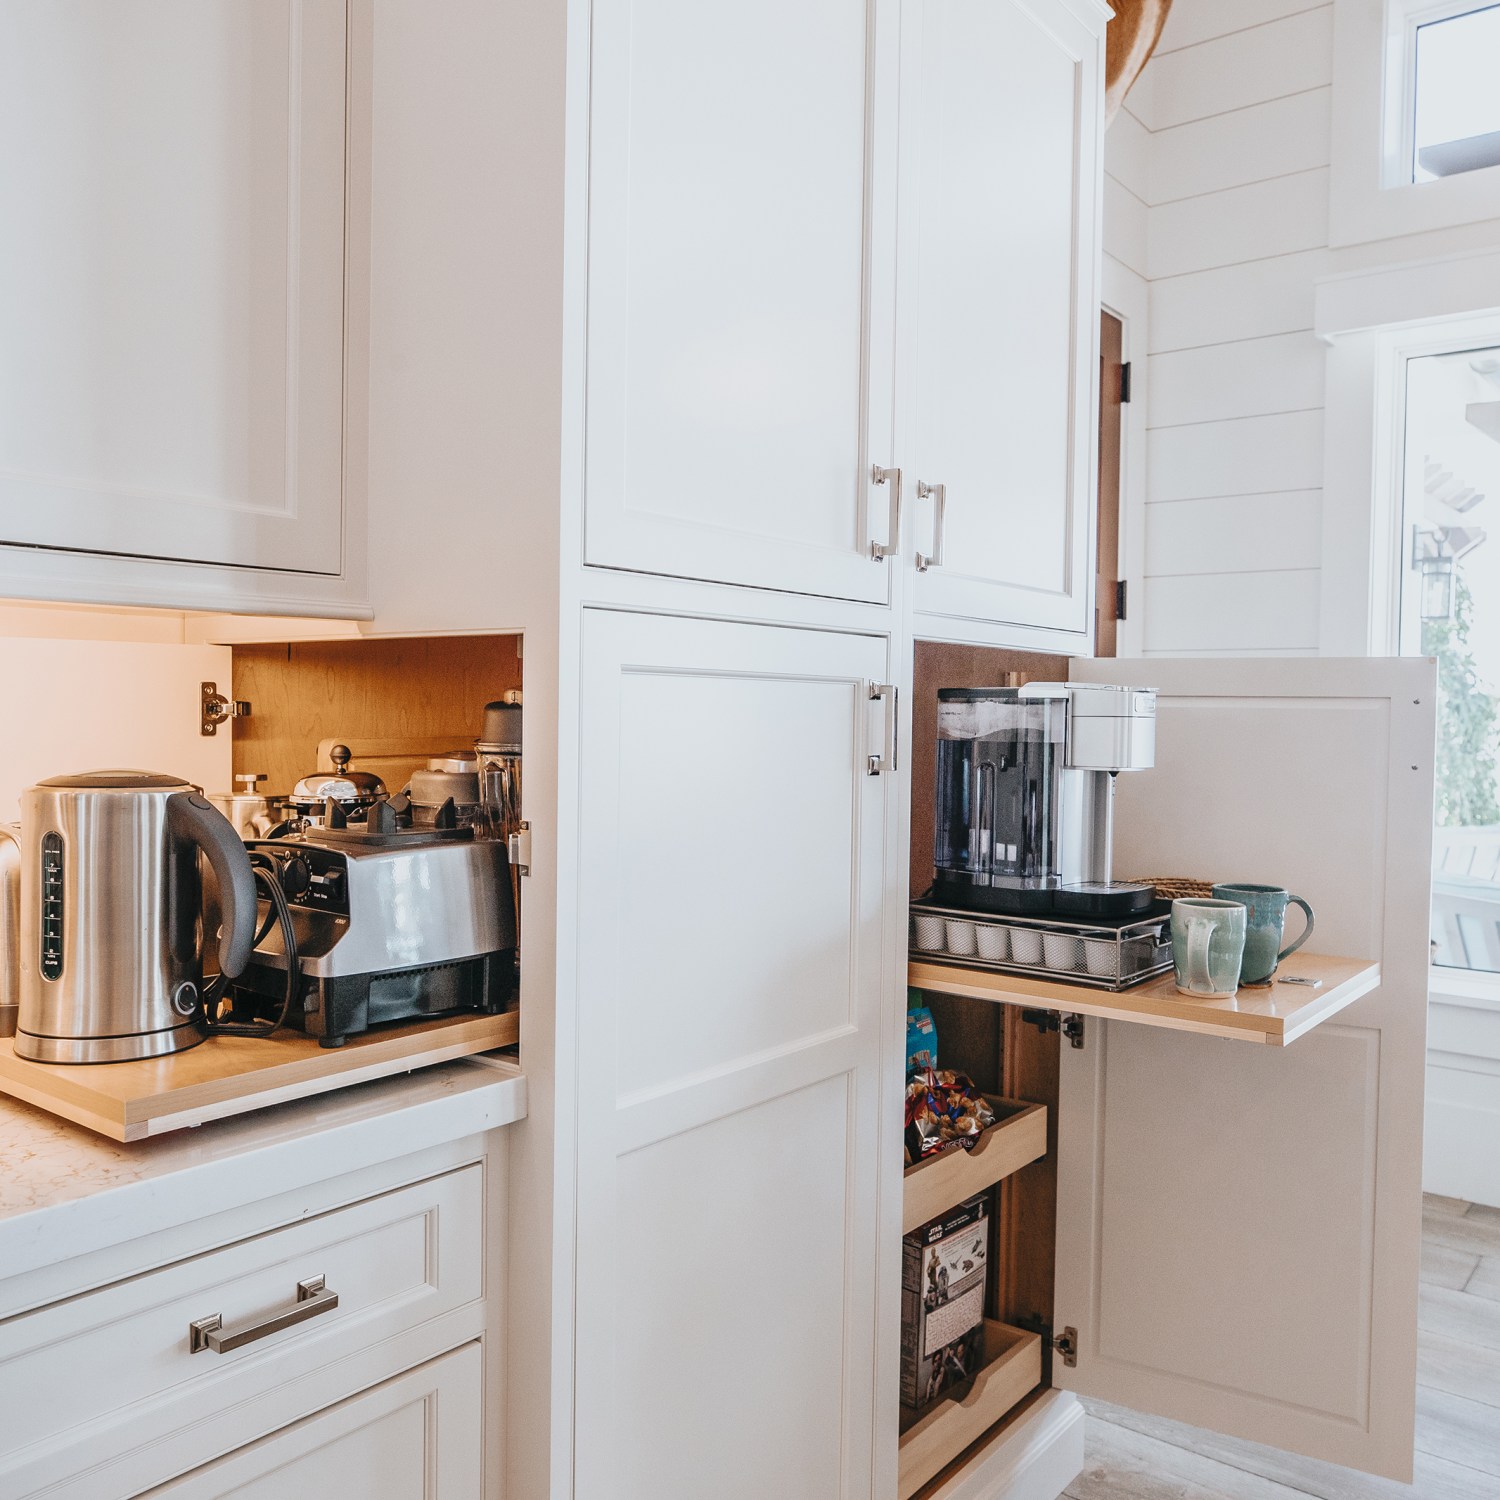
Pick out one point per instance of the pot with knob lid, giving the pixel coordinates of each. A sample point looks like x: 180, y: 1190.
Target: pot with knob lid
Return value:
x: 353, y: 791
x: 252, y: 814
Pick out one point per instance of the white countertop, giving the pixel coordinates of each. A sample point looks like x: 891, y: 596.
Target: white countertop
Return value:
x: 65, y: 1191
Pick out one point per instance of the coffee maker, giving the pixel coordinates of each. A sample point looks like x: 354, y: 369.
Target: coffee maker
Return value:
x: 1025, y: 797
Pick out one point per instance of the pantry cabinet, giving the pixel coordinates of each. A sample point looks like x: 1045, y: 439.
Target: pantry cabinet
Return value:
x: 181, y: 300
x: 1236, y: 1225
x: 734, y: 985
x: 1001, y: 184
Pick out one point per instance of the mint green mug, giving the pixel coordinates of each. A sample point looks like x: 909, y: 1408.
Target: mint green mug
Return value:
x: 1265, y: 920
x: 1208, y: 944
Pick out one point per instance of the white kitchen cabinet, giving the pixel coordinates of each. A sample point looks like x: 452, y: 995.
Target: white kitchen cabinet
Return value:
x: 379, y: 1212
x: 741, y: 254
x: 417, y: 1437
x: 1237, y: 1225
x: 734, y: 1111
x: 1001, y: 182
x: 181, y: 366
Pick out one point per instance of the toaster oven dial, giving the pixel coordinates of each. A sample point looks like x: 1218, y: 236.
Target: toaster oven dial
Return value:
x: 50, y: 958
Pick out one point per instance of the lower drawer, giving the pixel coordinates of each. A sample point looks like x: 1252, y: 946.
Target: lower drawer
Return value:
x: 940, y: 1432
x: 102, y: 1372
x: 419, y: 1435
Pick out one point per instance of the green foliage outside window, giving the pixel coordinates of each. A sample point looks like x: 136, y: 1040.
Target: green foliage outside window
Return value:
x: 1468, y: 722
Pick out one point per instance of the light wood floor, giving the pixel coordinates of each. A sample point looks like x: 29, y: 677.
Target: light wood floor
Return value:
x: 1131, y: 1457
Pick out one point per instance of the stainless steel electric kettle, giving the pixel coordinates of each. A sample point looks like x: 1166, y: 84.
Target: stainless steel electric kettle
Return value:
x: 111, y: 915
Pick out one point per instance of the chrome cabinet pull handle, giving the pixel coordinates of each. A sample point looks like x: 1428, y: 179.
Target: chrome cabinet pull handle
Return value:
x: 939, y: 496
x: 889, y: 694
x: 313, y: 1299
x: 892, y: 545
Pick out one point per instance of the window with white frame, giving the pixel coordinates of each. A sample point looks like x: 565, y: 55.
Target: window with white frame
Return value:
x: 1450, y: 609
x: 1451, y: 101
x: 1415, y: 117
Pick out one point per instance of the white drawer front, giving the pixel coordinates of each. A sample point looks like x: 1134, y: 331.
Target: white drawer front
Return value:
x: 114, y: 1367
x: 417, y: 1437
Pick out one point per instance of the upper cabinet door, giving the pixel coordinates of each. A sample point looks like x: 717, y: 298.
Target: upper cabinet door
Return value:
x: 172, y: 279
x: 1238, y: 1227
x: 740, y: 291
x: 1000, y: 203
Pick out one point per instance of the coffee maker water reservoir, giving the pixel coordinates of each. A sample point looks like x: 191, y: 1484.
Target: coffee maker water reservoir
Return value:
x: 1025, y: 796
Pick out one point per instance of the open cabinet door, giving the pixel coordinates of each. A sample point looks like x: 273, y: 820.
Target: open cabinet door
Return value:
x: 87, y: 705
x: 1239, y: 1227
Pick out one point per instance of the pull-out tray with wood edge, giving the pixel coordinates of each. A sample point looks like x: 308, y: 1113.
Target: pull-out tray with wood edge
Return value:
x: 229, y: 1075
x: 1277, y: 1015
x: 1018, y: 1136
x: 942, y: 1430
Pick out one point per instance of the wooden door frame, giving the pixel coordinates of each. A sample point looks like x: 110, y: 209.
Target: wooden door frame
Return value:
x: 1125, y: 297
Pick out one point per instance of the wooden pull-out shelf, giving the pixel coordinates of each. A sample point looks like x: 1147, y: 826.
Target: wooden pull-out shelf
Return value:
x: 1019, y: 1136
x: 228, y: 1075
x: 1278, y: 1015
x: 1012, y: 1368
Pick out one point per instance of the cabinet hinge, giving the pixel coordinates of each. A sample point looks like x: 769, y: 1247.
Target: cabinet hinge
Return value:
x: 1120, y: 599
x: 215, y: 709
x: 1049, y: 1020
x: 1125, y: 383
x: 1064, y: 1343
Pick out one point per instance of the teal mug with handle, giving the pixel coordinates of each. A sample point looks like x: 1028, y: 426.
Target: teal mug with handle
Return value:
x: 1208, y: 943
x: 1265, y: 921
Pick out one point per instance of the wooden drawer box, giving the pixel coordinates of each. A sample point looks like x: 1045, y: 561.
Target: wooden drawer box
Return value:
x: 1018, y: 1136
x: 939, y: 1433
x: 115, y: 1367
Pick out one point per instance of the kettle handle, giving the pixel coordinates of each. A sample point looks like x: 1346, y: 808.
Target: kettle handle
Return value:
x: 190, y: 816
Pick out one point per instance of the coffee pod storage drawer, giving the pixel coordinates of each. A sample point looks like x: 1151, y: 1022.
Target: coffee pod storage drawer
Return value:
x: 1058, y: 948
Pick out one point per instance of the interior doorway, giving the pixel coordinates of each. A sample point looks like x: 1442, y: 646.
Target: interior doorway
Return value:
x: 1113, y: 393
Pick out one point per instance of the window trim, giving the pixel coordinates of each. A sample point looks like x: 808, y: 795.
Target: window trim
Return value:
x: 1371, y: 196
x: 1366, y: 318
x: 1404, y: 19
x: 1396, y: 350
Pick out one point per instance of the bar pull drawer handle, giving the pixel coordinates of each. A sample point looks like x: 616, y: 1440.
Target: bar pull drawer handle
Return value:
x: 313, y: 1299
x: 891, y: 547
x: 938, y: 494
x: 886, y: 693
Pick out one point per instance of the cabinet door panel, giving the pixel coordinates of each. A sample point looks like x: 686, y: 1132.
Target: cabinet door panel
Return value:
x: 417, y: 1437
x: 172, y: 294
x: 1238, y: 1228
x: 1006, y: 289
x: 730, y: 993
x: 143, y: 700
x: 741, y: 249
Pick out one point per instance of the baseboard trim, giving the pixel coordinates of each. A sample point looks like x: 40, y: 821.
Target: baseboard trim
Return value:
x: 1036, y: 1459
x: 1461, y: 1150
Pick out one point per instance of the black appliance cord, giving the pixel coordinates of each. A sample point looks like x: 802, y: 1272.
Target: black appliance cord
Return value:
x: 264, y: 870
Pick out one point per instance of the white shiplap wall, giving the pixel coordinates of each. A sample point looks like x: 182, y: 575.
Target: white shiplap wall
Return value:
x: 1217, y: 193
x: 1217, y: 200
